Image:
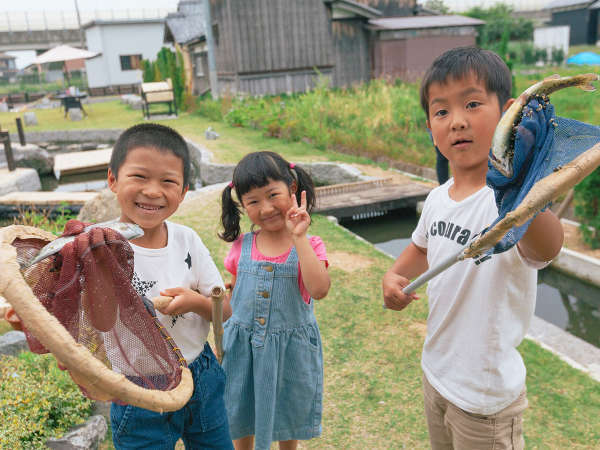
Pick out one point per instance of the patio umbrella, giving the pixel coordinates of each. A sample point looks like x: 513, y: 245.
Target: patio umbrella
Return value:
x: 63, y: 53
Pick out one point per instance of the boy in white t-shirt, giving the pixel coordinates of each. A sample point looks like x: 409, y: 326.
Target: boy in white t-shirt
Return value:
x: 149, y: 172
x: 479, y: 310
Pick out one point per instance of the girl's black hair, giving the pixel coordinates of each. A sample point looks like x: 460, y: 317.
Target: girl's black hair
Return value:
x: 256, y: 170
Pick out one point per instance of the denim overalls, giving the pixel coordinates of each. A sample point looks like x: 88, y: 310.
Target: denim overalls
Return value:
x: 273, y: 355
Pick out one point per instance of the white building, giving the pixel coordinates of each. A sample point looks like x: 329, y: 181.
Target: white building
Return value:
x: 122, y: 45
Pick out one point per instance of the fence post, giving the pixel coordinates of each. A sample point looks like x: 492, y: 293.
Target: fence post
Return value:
x: 5, y: 139
x: 20, y: 131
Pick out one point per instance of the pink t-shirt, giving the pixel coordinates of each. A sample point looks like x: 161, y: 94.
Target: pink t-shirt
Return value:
x: 232, y: 259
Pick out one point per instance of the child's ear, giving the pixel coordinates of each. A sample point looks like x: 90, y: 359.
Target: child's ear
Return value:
x: 509, y: 102
x: 293, y: 187
x: 112, y: 181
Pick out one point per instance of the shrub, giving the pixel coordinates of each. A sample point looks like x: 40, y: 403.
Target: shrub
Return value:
x: 37, y: 401
x: 587, y: 208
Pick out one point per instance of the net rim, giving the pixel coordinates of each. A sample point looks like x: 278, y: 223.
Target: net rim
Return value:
x: 91, y: 373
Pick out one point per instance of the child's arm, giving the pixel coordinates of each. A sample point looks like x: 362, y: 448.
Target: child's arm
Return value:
x: 188, y: 300
x: 543, y: 239
x: 314, y: 272
x: 411, y: 263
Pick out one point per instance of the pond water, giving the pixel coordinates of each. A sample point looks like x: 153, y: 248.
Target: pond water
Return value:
x: 566, y: 302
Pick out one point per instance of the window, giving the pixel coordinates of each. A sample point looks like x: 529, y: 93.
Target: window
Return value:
x: 131, y: 62
x: 199, y: 64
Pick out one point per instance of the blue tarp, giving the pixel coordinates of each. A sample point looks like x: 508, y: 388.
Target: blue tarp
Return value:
x: 585, y: 58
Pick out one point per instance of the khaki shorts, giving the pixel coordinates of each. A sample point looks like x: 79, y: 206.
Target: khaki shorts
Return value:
x: 453, y: 428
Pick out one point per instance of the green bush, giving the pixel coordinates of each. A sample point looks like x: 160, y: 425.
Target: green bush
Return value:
x: 37, y: 401
x: 587, y: 208
x: 168, y: 64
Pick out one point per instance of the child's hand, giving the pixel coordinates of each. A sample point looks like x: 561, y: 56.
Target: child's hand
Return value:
x: 297, y: 219
x: 393, y: 296
x: 184, y: 301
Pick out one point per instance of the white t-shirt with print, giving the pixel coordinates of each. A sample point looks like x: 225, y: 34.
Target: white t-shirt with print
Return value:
x: 184, y: 262
x: 479, y: 310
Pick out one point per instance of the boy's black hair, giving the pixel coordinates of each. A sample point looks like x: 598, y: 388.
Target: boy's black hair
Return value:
x: 151, y: 135
x: 459, y: 62
x: 256, y: 170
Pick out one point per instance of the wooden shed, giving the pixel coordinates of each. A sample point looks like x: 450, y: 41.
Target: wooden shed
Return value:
x: 582, y: 18
x: 405, y: 47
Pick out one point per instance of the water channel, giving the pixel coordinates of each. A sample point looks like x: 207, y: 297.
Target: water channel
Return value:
x: 564, y: 301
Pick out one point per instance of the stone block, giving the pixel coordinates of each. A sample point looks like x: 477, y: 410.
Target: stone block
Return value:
x: 75, y: 114
x: 21, y: 179
x: 84, y: 437
x: 30, y: 118
x: 74, y: 147
x: 101, y: 208
x: 30, y: 155
x: 12, y: 343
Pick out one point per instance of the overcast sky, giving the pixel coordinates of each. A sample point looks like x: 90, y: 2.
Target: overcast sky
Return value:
x: 66, y: 5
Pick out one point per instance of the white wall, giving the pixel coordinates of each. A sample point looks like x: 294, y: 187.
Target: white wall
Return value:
x: 552, y: 37
x: 115, y: 40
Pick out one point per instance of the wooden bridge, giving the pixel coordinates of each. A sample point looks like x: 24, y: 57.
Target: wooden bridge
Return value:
x: 368, y: 198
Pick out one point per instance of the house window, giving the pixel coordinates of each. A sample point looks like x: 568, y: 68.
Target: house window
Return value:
x: 199, y: 65
x: 131, y: 62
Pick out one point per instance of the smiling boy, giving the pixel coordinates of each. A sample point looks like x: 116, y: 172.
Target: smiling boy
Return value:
x: 479, y: 310
x: 150, y: 175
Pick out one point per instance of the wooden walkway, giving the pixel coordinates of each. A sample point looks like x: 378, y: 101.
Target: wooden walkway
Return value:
x: 81, y: 162
x: 368, y: 198
x: 14, y: 203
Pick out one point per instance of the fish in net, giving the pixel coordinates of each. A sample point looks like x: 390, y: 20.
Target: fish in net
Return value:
x: 80, y: 305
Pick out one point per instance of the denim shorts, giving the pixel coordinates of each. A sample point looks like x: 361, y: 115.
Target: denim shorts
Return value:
x: 201, y: 423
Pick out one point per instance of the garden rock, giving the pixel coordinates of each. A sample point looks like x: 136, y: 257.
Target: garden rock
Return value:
x: 211, y: 134
x: 74, y: 147
x: 30, y: 118
x: 101, y: 208
x: 89, y: 146
x: 12, y: 343
x: 84, y: 437
x: 20, y: 180
x: 75, y: 114
x: 32, y: 156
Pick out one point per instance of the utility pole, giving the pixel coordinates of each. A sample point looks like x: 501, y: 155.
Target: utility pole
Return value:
x: 81, y: 37
x: 210, y: 47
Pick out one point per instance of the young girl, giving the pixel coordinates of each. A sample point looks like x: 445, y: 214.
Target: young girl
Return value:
x: 273, y: 356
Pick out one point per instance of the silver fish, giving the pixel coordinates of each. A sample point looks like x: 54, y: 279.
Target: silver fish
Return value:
x: 127, y: 230
x: 501, y: 156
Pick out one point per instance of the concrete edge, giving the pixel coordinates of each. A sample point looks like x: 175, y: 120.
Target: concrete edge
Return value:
x: 578, y: 265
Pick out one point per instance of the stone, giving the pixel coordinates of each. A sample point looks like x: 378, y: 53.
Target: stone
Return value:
x: 32, y: 156
x: 30, y: 118
x: 102, y: 146
x: 12, y: 343
x: 43, y: 144
x: 84, y: 437
x: 75, y: 114
x: 21, y: 180
x: 74, y: 147
x: 53, y: 148
x: 101, y: 208
x: 89, y: 146
x: 211, y: 134
x: 3, y: 107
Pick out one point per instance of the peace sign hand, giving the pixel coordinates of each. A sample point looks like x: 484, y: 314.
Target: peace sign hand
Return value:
x: 297, y: 218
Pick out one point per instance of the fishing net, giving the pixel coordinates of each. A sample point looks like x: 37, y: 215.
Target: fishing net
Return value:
x: 82, y: 298
x: 543, y: 145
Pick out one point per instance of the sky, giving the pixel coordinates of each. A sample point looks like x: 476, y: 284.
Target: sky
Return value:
x: 58, y: 5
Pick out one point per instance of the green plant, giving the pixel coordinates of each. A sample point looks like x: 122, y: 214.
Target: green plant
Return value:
x: 168, y: 64
x: 43, y: 219
x: 37, y: 401
x: 557, y: 55
x: 587, y: 208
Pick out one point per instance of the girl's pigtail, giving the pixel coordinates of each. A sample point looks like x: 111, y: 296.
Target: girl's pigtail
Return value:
x: 305, y: 183
x: 230, y: 216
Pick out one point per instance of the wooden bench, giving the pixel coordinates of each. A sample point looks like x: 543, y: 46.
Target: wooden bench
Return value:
x: 156, y: 93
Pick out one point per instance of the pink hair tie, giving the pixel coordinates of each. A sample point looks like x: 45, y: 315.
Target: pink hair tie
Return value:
x: 231, y: 184
x: 292, y: 165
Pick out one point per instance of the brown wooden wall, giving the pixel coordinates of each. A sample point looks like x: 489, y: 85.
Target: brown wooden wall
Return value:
x: 409, y: 58
x: 272, y: 35
x: 352, y: 54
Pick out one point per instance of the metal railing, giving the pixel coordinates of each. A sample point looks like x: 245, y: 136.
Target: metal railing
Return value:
x: 66, y: 20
